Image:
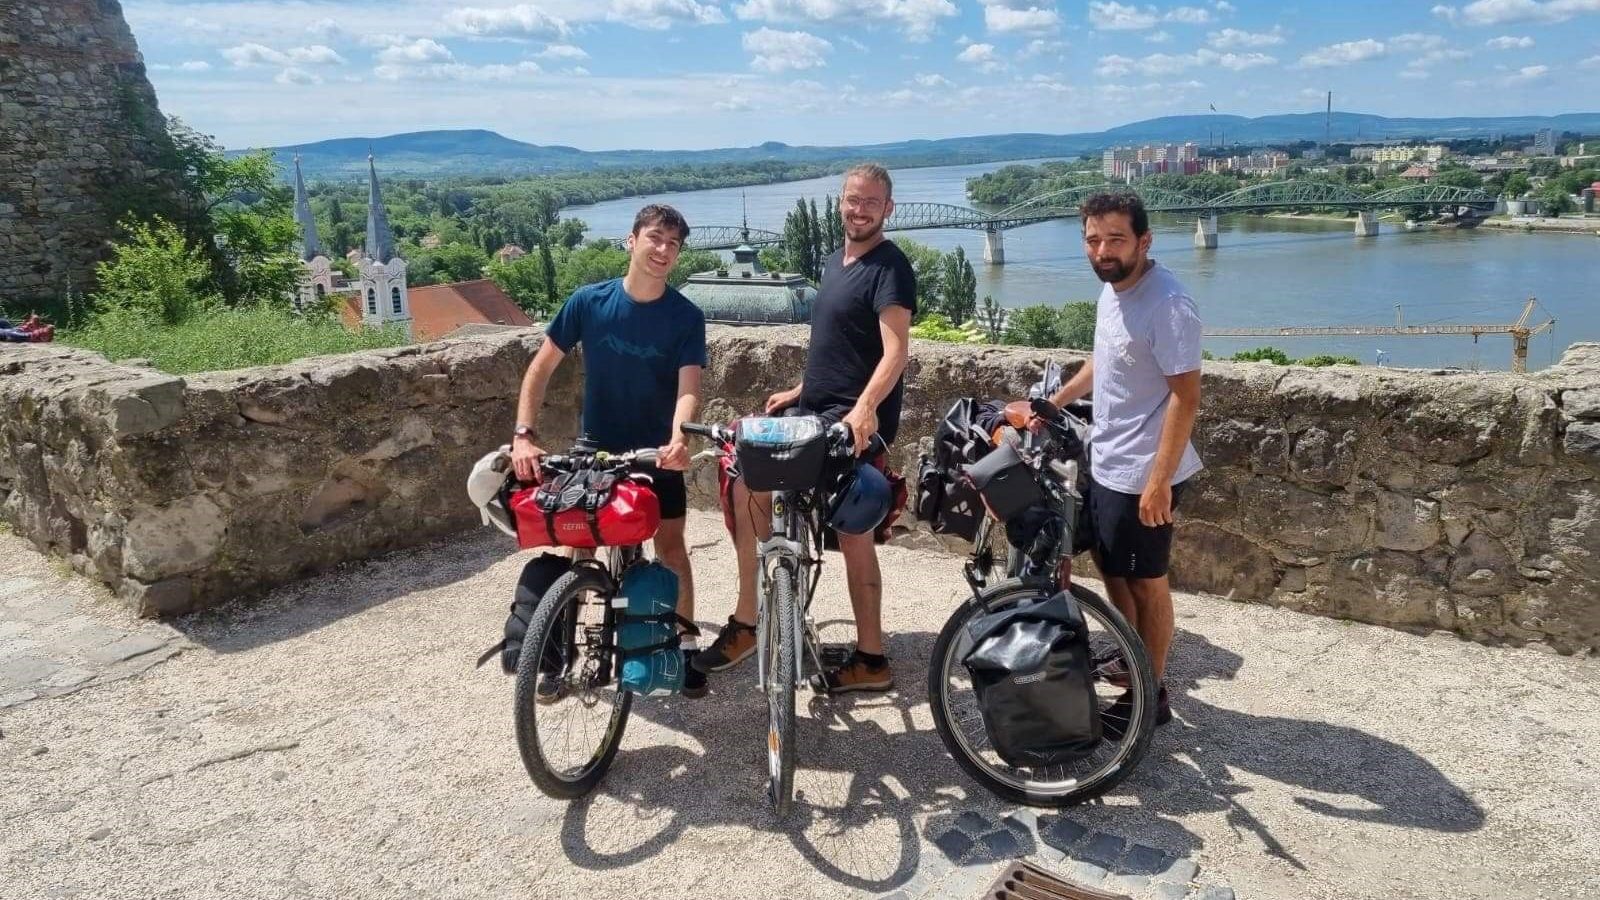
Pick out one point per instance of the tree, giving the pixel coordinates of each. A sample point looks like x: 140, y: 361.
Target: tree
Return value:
x: 156, y: 274
x: 524, y: 280
x: 797, y: 243
x: 773, y: 259
x: 691, y: 262
x: 1517, y: 185
x: 832, y: 228
x: 960, y: 283
x: 547, y: 263
x: 1555, y: 200
x: 1459, y: 177
x: 1262, y: 354
x: 928, y: 265
x: 458, y: 262
x: 594, y: 261
x: 1076, y: 326
x: 568, y: 233
x: 992, y: 318
x: 817, y: 251
x: 1034, y: 326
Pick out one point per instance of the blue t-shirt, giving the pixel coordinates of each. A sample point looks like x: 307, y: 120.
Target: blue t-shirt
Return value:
x: 632, y: 352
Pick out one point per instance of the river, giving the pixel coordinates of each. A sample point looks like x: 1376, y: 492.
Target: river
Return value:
x: 1266, y: 272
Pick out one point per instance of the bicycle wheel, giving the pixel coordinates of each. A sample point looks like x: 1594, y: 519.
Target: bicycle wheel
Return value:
x: 569, y: 736
x: 782, y: 655
x: 993, y: 558
x: 1122, y: 673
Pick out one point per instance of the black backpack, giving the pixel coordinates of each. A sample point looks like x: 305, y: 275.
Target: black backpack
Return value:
x: 945, y: 499
x: 1030, y: 667
x: 537, y: 576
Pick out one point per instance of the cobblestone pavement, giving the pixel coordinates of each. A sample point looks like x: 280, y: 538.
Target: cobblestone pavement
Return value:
x: 335, y: 740
x: 60, y: 634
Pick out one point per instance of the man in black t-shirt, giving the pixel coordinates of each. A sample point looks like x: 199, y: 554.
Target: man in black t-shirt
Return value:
x: 860, y: 331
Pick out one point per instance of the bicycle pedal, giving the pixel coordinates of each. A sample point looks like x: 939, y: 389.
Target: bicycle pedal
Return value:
x: 834, y: 655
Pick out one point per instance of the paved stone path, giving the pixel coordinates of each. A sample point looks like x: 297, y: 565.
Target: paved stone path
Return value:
x: 60, y: 634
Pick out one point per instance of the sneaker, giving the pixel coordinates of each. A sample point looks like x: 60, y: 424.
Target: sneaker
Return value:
x: 857, y: 674
x: 1114, y: 718
x: 694, y: 680
x: 734, y: 644
x: 551, y: 688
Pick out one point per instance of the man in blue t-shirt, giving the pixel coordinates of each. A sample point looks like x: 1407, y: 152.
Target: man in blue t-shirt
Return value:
x: 644, y: 345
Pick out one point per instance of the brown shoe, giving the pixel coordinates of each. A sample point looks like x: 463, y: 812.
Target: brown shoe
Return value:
x: 857, y: 674
x: 734, y: 644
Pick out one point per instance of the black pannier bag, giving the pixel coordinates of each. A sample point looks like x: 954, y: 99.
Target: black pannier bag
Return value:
x: 945, y: 499
x: 537, y: 577
x: 784, y: 453
x: 1006, y: 482
x: 1030, y: 668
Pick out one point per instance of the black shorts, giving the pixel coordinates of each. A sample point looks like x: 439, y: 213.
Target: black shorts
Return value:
x: 1124, y: 547
x: 671, y: 491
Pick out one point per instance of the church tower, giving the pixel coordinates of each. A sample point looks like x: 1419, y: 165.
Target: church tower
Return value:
x: 383, y: 297
x: 317, y: 272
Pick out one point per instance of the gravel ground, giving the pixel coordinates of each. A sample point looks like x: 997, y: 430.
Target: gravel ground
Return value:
x: 334, y: 740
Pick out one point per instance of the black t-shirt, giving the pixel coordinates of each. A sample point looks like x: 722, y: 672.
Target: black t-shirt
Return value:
x: 846, y: 345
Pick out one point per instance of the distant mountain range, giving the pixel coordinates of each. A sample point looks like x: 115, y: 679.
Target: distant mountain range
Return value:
x: 481, y: 152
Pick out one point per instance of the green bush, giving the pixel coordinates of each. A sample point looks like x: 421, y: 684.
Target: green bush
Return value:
x: 1324, y: 359
x: 935, y: 327
x: 226, y: 338
x: 1262, y: 354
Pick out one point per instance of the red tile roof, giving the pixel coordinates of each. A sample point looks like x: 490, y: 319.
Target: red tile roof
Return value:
x: 438, y: 309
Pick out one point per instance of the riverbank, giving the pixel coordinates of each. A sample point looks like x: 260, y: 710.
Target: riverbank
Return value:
x: 1588, y: 225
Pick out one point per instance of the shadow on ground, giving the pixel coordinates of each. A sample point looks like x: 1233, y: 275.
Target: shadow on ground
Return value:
x: 306, y: 606
x: 872, y: 800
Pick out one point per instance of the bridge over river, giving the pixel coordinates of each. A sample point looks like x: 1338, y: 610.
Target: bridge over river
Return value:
x: 1063, y: 204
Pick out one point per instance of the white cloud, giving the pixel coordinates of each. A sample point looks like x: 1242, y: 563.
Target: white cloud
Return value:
x: 1224, y: 7
x: 1434, y: 57
x: 1497, y: 12
x: 1231, y: 38
x: 1109, y: 15
x: 1447, y: 13
x: 855, y: 44
x: 250, y: 55
x: 1190, y: 15
x: 1415, y: 73
x: 659, y: 15
x: 1508, y: 42
x: 917, y: 18
x: 1040, y: 47
x: 1158, y: 64
x: 1592, y: 62
x: 562, y: 51
x: 982, y: 56
x: 1344, y: 54
x: 1114, y: 65
x: 1158, y: 37
x: 293, y: 75
x: 733, y: 104
x: 1006, y: 16
x: 932, y: 80
x: 454, y: 71
x: 421, y: 50
x: 781, y: 51
x: 1526, y: 75
x: 193, y: 65
x: 523, y: 21
x: 579, y: 71
x: 1415, y: 41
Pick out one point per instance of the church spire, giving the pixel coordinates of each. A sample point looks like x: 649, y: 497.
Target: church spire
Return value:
x: 311, y: 245
x: 380, y: 240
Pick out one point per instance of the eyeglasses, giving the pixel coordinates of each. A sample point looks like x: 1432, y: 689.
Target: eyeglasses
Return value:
x: 868, y: 203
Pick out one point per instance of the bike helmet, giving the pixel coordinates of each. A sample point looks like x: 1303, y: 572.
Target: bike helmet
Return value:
x: 861, y: 501
x: 484, y: 485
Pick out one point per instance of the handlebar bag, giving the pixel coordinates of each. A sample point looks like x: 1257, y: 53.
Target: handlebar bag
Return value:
x: 1031, y: 671
x: 586, y: 509
x: 785, y: 453
x: 1006, y: 482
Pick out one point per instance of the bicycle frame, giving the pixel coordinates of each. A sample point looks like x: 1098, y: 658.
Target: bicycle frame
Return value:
x: 791, y: 542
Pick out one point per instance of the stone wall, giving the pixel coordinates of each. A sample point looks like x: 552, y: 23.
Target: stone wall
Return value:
x: 1430, y: 501
x: 80, y: 139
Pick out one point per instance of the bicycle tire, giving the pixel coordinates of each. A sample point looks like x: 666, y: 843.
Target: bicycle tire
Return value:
x: 1130, y: 749
x: 544, y: 626
x: 782, y: 656
x: 1005, y: 560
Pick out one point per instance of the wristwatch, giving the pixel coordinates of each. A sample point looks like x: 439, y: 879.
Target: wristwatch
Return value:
x: 522, y: 431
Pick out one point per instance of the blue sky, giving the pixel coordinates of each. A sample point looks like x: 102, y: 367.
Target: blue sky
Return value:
x: 604, y: 74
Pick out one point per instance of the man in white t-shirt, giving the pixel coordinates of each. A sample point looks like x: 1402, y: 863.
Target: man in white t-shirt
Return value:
x: 1145, y: 375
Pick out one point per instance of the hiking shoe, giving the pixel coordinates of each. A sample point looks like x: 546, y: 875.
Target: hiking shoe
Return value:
x: 1114, y: 719
x: 551, y: 688
x: 857, y: 674
x: 694, y: 680
x: 734, y: 644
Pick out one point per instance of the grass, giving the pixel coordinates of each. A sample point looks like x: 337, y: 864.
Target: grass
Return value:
x: 225, y: 339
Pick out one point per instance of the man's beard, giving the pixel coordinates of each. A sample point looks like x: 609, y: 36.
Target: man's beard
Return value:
x: 862, y: 236
x: 1114, y: 271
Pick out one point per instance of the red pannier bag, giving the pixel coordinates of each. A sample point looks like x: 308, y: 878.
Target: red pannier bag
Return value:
x: 586, y: 510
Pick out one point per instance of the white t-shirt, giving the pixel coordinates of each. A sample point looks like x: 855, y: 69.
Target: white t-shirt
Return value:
x: 1141, y: 336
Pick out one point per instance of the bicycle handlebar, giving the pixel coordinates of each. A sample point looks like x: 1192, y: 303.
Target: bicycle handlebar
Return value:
x: 839, y: 437
x: 598, y: 459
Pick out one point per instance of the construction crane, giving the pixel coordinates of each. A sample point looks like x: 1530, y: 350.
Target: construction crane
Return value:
x: 1519, y: 330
